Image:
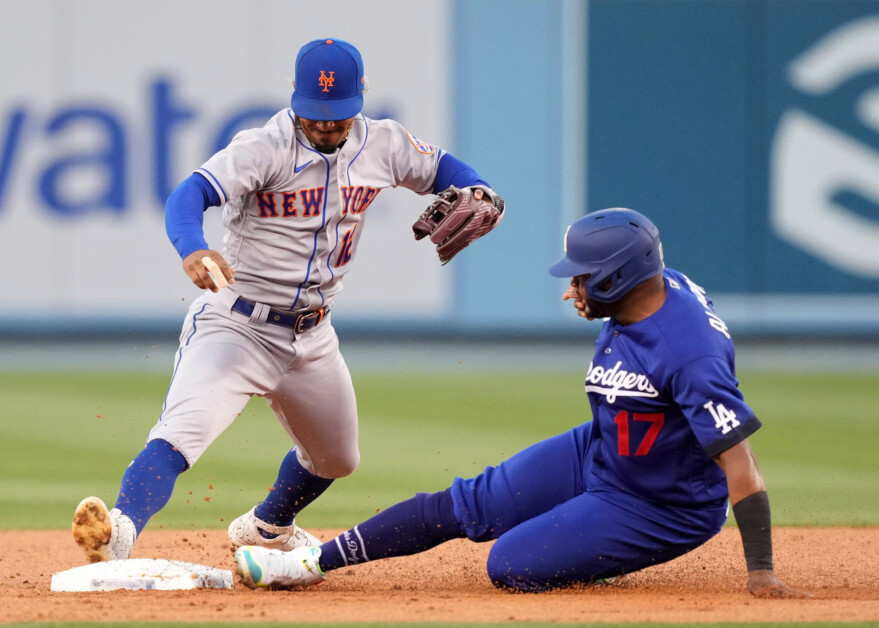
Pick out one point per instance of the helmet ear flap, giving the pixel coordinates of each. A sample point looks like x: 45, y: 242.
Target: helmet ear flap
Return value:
x: 616, y: 245
x: 608, y: 284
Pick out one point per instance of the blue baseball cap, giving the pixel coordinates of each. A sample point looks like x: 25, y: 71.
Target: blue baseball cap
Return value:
x: 329, y: 81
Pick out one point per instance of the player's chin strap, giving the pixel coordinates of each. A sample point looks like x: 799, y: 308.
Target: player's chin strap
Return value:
x: 755, y: 525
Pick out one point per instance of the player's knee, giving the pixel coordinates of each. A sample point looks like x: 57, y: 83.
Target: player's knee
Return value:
x: 506, y: 575
x: 512, y: 573
x: 344, y: 468
x: 336, y: 467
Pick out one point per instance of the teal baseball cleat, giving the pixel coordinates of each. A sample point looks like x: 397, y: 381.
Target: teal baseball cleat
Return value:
x: 260, y: 567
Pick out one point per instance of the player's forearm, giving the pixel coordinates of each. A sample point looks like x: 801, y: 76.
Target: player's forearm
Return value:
x: 184, y: 214
x: 452, y: 171
x: 750, y: 504
x: 743, y: 476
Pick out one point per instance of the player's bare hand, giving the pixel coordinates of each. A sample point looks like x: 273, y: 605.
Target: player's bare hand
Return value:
x: 198, y: 272
x: 763, y: 583
x: 573, y: 292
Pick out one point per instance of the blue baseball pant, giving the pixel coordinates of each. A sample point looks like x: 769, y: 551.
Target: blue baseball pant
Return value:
x: 552, y: 531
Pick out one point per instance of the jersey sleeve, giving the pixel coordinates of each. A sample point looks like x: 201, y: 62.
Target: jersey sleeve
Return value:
x: 245, y: 165
x: 453, y: 171
x: 184, y: 214
x: 414, y: 163
x: 707, y: 392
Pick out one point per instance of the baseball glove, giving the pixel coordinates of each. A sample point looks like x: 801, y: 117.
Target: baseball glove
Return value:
x: 456, y: 218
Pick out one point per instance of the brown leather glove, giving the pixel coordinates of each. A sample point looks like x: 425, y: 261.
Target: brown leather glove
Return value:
x: 458, y: 217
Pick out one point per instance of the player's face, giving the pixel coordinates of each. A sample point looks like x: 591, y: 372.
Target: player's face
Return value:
x: 586, y: 306
x: 326, y: 135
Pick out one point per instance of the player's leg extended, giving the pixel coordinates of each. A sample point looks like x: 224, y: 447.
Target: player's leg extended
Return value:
x: 595, y: 536
x: 214, y: 375
x: 529, y: 483
x: 315, y: 403
x: 105, y: 534
x: 412, y: 526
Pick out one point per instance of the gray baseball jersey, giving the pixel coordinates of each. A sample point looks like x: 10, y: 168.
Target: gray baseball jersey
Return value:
x: 293, y: 217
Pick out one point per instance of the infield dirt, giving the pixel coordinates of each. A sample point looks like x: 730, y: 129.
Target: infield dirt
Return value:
x: 838, y: 565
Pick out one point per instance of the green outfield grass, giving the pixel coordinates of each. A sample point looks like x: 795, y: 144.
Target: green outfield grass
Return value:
x: 66, y: 436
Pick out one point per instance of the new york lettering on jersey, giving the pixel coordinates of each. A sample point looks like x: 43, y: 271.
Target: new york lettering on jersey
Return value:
x: 305, y: 203
x: 355, y: 200
x: 313, y: 203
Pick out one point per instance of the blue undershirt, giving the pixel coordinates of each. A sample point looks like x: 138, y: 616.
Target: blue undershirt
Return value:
x: 184, y: 214
x: 453, y: 171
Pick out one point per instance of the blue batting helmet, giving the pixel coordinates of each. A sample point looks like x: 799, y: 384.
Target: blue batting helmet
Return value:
x: 615, y: 244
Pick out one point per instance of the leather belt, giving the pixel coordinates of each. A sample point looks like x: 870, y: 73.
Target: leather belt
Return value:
x: 299, y: 323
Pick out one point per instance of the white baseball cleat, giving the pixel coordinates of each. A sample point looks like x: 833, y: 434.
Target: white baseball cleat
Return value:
x: 101, y: 533
x: 245, y: 531
x: 271, y: 568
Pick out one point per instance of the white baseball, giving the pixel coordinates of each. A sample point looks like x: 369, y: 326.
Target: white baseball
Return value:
x: 214, y: 270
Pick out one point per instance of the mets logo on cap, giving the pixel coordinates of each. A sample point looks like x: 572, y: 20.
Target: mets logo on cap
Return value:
x: 329, y: 81
x: 326, y: 82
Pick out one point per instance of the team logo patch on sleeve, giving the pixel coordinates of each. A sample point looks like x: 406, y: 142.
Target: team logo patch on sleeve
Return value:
x: 421, y: 147
x: 724, y: 420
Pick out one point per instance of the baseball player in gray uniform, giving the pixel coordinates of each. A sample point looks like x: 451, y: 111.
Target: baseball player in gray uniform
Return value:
x: 295, y: 195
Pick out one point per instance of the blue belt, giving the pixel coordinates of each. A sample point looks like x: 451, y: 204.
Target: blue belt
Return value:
x: 299, y: 323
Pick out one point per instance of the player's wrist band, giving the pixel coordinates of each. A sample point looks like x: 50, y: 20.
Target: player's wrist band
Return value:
x: 755, y: 525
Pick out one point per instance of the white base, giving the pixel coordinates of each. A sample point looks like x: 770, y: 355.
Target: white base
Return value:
x: 141, y: 574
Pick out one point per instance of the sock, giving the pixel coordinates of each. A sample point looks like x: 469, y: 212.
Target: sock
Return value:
x: 294, y: 489
x: 149, y: 481
x: 410, y: 527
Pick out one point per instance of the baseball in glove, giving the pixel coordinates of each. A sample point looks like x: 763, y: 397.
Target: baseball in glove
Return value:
x: 457, y: 217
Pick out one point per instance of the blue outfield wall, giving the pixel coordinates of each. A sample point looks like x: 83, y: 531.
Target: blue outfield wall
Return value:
x: 508, y: 120
x: 746, y: 128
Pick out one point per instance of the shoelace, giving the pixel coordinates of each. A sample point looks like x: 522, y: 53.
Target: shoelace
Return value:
x: 299, y: 534
x: 291, y: 571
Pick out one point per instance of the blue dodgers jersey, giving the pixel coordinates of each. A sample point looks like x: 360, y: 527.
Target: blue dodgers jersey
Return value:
x: 665, y: 399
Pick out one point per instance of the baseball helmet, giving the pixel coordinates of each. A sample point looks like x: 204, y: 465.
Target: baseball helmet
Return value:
x: 329, y: 81
x: 614, y: 244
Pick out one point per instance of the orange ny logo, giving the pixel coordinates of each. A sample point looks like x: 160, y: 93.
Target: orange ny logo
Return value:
x: 326, y: 81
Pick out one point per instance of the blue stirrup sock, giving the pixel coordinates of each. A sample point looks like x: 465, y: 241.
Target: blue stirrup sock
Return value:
x: 149, y: 480
x: 410, y: 527
x: 294, y: 489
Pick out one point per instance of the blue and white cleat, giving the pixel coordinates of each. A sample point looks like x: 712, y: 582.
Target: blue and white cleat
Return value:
x: 260, y: 567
